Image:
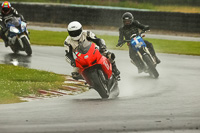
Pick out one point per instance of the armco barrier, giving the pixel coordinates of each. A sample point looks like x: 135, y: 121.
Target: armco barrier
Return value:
x: 107, y: 16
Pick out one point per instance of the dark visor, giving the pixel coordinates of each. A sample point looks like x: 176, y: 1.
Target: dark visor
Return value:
x: 75, y: 33
x: 5, y: 9
x: 127, y: 21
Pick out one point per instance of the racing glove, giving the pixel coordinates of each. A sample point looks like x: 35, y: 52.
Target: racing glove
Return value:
x: 119, y: 44
x: 102, y: 48
x: 146, y: 27
x: 73, y: 63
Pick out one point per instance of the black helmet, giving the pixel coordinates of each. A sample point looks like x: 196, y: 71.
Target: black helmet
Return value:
x: 127, y: 18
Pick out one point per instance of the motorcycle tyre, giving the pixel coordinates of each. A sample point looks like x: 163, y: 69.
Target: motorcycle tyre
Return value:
x: 99, y: 84
x: 27, y: 46
x: 152, y: 69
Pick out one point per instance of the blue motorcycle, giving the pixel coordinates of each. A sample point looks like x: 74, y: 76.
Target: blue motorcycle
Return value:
x: 144, y: 58
x: 17, y: 35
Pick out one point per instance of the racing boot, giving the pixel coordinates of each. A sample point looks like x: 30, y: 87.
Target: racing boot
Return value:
x: 6, y: 43
x: 76, y: 76
x: 115, y: 70
x: 152, y: 51
x: 157, y: 60
x: 5, y: 39
x: 140, y: 70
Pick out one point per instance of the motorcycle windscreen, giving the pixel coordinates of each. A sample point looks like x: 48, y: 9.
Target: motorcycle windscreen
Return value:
x: 14, y: 21
x: 87, y: 56
x: 137, y: 43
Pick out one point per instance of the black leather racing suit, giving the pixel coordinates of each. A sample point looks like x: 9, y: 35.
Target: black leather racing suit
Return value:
x: 128, y: 30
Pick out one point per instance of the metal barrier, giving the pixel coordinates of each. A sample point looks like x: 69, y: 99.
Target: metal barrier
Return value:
x: 107, y: 16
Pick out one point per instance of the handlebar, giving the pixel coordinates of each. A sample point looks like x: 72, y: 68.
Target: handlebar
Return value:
x: 132, y: 36
x: 122, y: 43
x: 139, y: 34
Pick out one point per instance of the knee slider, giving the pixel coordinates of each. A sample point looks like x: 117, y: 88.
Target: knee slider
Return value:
x: 110, y: 55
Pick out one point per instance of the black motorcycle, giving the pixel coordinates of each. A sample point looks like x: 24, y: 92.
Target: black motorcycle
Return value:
x: 144, y: 58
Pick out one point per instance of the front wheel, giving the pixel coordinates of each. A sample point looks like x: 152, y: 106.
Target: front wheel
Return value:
x: 27, y: 45
x: 151, y: 67
x: 99, y: 83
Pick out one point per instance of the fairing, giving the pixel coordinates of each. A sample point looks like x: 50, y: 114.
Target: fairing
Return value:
x: 89, y: 56
x: 137, y: 43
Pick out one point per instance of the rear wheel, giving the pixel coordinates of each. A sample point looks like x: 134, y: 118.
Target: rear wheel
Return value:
x: 27, y: 45
x: 151, y: 67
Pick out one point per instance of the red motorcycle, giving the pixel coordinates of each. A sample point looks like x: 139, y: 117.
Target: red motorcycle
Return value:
x: 96, y: 69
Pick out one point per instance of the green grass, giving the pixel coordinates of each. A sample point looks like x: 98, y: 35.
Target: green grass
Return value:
x: 18, y: 82
x: 176, y: 47
x: 49, y: 38
x: 162, y: 46
x: 175, y: 8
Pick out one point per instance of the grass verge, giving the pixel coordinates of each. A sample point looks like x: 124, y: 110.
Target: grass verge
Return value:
x: 53, y: 38
x: 18, y: 82
x: 162, y: 46
x: 176, y: 47
x: 49, y: 38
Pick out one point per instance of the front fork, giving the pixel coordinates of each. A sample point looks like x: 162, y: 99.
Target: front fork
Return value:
x: 139, y: 56
x: 142, y: 62
x: 19, y: 37
x: 147, y: 51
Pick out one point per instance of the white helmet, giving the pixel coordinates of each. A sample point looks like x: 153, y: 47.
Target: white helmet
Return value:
x: 75, y: 30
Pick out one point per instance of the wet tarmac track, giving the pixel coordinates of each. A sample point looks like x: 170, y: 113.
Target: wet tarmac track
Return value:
x: 167, y: 104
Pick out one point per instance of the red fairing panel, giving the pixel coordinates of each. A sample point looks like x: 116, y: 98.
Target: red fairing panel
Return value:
x: 91, y: 58
x: 106, y: 66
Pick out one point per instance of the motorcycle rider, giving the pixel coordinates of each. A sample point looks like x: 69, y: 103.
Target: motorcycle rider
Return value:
x: 7, y: 12
x: 130, y: 27
x: 76, y: 36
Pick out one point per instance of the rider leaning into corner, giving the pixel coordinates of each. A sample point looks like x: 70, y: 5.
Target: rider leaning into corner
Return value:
x: 7, y: 12
x: 130, y: 27
x: 77, y: 36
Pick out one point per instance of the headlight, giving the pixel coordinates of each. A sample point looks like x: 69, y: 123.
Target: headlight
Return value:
x: 13, y: 29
